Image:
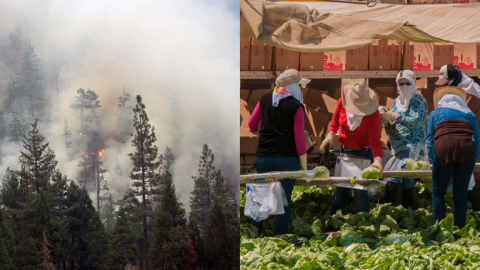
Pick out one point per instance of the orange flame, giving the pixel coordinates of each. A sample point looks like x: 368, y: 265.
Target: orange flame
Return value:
x: 100, y: 153
x: 83, y: 135
x: 92, y: 153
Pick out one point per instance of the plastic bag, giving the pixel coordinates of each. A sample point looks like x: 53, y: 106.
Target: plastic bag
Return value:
x: 260, y: 201
x: 321, y: 172
x: 471, y: 184
x: 405, y: 164
x: 420, y: 155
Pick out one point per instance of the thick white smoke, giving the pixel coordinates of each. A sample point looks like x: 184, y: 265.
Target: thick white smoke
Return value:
x: 163, y: 50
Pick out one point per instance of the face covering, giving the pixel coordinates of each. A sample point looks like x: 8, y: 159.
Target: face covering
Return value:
x: 353, y: 120
x: 453, y: 102
x: 406, y: 93
x: 280, y: 93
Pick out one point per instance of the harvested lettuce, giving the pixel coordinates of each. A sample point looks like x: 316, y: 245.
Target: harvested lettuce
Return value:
x: 321, y: 172
x: 421, y: 166
x: 370, y: 173
x: 353, y: 180
x: 405, y: 164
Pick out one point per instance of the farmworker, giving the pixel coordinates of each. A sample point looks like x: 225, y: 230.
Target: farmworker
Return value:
x: 452, y: 75
x: 281, y: 142
x: 452, y: 150
x: 406, y: 125
x: 358, y: 118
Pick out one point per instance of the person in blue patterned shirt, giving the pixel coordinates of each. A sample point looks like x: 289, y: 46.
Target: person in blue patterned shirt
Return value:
x: 405, y: 123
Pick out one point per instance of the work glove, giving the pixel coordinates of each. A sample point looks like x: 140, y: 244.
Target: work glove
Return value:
x: 377, y: 163
x: 389, y: 116
x: 303, y: 162
x: 327, y: 143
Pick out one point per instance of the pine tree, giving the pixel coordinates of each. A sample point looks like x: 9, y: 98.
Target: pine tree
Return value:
x: 38, y: 161
x: 97, y: 243
x: 46, y: 233
x: 122, y: 106
x: 125, y: 250
x: 83, y: 102
x: 216, y: 231
x: 86, y: 164
x: 9, y: 190
x: 67, y: 134
x: 108, y: 213
x: 169, y: 158
x: 32, y: 256
x: 29, y: 78
x: 144, y: 174
x: 16, y: 128
x: 200, y: 202
x: 170, y: 232
x: 7, y: 245
x: 199, y: 206
x: 197, y: 241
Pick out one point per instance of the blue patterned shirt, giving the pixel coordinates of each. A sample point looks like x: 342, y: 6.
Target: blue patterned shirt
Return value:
x: 410, y: 126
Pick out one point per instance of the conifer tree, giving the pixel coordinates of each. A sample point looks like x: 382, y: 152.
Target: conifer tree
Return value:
x: 197, y: 241
x: 145, y: 165
x: 7, y: 245
x: 97, y: 243
x: 9, y: 190
x: 29, y: 78
x: 86, y: 100
x: 67, y: 134
x: 169, y: 158
x: 199, y: 203
x: 219, y: 250
x: 46, y: 233
x: 108, y: 213
x: 38, y: 161
x: 171, y: 241
x: 31, y: 260
x: 15, y: 128
x: 125, y: 250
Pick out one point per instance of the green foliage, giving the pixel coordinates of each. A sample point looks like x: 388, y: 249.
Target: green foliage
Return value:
x: 124, y: 248
x: 370, y: 173
x: 386, y: 238
x: 421, y: 165
x: 31, y: 260
x: 405, y: 164
x: 7, y: 245
x: 219, y: 252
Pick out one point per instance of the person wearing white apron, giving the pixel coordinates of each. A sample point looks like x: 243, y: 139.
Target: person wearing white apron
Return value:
x: 405, y: 123
x: 358, y: 119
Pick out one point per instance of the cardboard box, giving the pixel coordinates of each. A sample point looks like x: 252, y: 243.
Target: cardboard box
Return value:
x: 423, y: 56
x: 443, y: 54
x: 287, y: 59
x: 382, y: 99
x: 311, y: 61
x: 245, y: 28
x: 256, y: 95
x: 334, y: 60
x: 408, y: 57
x: 248, y: 144
x: 357, y: 59
x: 421, y: 83
x: 430, y: 107
x: 245, y: 112
x: 338, y: 94
x: 427, y: 94
x: 317, y: 121
x: 380, y: 56
x: 261, y: 56
x: 244, y: 94
x: 323, y: 101
x: 478, y: 55
x: 464, y: 55
x: 388, y: 91
x: 397, y: 48
x: 245, y: 53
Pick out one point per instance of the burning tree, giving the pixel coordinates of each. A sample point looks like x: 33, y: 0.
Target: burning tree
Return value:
x: 145, y: 165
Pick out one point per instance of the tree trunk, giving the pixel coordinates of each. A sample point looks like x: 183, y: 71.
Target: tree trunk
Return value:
x: 98, y: 181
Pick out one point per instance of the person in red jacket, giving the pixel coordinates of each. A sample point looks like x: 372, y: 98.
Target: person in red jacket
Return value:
x: 358, y: 119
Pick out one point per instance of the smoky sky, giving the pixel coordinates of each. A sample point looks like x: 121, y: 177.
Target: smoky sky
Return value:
x: 182, y: 52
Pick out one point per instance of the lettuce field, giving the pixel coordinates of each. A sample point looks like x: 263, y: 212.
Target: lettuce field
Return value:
x: 386, y: 238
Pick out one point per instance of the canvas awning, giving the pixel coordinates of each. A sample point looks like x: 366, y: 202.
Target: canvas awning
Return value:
x: 324, y: 27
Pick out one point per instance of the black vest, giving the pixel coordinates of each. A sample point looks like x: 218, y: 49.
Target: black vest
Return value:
x: 277, y: 138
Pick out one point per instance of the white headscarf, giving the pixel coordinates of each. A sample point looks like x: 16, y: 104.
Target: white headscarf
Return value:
x: 353, y: 120
x: 406, y: 92
x: 468, y: 85
x: 290, y: 90
x: 453, y: 102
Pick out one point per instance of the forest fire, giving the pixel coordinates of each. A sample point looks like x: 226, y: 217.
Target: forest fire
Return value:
x: 83, y: 135
x: 100, y: 153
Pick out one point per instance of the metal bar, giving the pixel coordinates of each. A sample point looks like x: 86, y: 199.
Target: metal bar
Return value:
x: 349, y: 74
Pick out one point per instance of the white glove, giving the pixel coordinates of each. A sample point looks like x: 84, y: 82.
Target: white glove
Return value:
x: 327, y: 143
x: 303, y: 162
x: 378, y: 164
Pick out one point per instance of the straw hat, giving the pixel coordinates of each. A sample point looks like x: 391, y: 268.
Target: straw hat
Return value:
x: 440, y: 92
x: 359, y: 99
